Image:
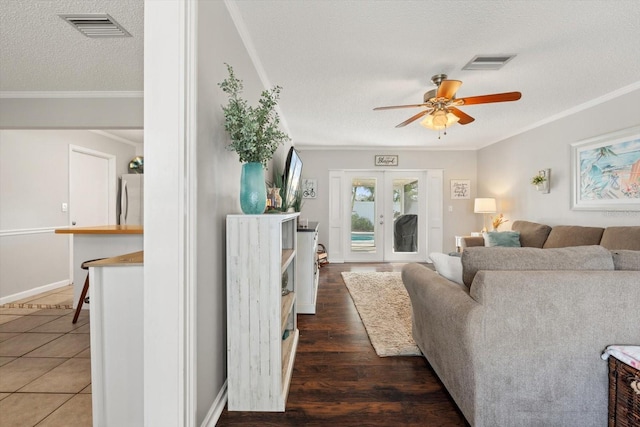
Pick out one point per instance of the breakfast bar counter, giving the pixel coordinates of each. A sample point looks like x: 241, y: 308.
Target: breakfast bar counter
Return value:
x: 104, y: 241
x: 116, y: 331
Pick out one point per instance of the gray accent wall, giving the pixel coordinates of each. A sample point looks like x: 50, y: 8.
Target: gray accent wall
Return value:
x: 456, y: 165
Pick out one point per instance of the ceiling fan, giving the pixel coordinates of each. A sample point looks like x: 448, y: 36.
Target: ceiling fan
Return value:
x: 441, y: 104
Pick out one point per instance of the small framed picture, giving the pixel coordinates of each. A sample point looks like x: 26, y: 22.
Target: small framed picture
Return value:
x: 386, y: 160
x: 309, y: 188
x: 460, y: 188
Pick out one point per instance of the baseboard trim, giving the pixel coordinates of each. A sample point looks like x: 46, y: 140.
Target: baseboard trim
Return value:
x: 26, y: 294
x: 216, y: 408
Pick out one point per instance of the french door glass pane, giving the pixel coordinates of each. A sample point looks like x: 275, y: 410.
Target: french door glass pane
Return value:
x: 405, y: 215
x: 363, y: 212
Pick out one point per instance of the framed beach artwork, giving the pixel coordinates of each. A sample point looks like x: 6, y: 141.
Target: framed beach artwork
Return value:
x: 606, y: 172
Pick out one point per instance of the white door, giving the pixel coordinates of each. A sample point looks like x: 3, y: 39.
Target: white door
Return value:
x: 405, y: 211
x: 364, y: 216
x: 385, y: 216
x: 91, y: 188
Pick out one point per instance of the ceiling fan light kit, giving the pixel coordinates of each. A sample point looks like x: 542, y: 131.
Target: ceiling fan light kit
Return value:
x: 440, y: 105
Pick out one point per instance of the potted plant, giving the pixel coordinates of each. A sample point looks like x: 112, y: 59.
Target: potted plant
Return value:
x: 540, y: 181
x: 255, y: 135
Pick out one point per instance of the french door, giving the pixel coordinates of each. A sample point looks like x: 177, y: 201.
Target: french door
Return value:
x: 385, y: 216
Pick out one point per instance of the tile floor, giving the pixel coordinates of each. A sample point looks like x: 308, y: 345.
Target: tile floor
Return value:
x: 45, y: 365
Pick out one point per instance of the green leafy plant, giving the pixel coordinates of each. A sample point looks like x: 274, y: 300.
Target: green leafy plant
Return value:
x: 359, y: 223
x: 297, y: 200
x: 538, y: 179
x: 254, y: 131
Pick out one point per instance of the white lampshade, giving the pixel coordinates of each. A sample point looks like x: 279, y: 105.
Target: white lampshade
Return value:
x: 439, y: 120
x: 484, y: 205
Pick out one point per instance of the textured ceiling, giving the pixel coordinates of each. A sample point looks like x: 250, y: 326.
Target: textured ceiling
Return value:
x: 39, y: 51
x: 338, y: 59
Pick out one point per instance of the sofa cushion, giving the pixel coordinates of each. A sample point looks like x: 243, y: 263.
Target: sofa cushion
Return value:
x: 532, y: 234
x: 449, y: 267
x: 563, y: 236
x: 621, y: 238
x: 626, y: 260
x: 502, y: 238
x: 571, y: 258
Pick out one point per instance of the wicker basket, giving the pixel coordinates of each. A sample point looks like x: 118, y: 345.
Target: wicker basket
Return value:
x: 624, y: 394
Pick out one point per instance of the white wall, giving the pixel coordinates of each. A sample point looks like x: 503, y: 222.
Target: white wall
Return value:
x: 34, y: 182
x: 505, y: 169
x: 456, y: 165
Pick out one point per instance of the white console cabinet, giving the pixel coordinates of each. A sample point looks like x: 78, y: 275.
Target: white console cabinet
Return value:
x: 307, y: 271
x: 262, y: 332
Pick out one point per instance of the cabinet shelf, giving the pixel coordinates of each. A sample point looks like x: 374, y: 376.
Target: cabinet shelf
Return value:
x: 260, y: 248
x: 287, y: 257
x: 287, y: 307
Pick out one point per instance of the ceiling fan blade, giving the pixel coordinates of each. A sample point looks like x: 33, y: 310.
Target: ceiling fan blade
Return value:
x: 391, y: 107
x: 465, y: 119
x: 486, y: 99
x: 448, y: 88
x: 413, y: 118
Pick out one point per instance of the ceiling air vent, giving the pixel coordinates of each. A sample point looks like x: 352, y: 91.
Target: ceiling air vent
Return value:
x: 488, y: 62
x: 95, y: 25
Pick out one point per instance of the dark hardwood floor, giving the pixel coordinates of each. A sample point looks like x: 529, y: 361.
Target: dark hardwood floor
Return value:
x: 339, y: 380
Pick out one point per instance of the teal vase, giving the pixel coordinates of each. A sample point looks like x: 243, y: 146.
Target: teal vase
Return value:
x: 253, y: 191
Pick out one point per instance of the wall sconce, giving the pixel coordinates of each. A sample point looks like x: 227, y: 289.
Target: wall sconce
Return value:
x: 542, y: 181
x: 484, y: 206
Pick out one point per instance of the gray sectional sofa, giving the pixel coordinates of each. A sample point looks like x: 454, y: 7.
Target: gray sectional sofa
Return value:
x: 519, y: 343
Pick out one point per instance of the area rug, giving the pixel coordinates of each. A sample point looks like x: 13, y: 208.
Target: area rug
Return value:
x: 384, y: 307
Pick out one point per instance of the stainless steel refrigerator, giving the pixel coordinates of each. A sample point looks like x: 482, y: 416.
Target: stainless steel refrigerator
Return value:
x: 131, y: 202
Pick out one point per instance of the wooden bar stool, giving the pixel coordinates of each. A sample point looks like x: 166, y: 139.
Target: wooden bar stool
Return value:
x: 85, y: 288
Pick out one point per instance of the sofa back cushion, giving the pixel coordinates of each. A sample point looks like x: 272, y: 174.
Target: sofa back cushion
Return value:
x: 498, y: 258
x: 626, y: 260
x: 532, y: 234
x: 562, y: 236
x: 621, y: 238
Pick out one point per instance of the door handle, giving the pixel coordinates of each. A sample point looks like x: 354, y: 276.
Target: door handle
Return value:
x: 381, y: 222
x: 73, y: 223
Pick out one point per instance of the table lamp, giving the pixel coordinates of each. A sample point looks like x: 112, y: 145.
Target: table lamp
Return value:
x: 484, y: 206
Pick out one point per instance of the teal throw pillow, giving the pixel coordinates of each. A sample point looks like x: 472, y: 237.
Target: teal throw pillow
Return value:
x: 502, y: 238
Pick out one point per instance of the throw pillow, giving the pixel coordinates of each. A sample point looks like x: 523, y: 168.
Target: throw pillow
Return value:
x: 449, y: 267
x: 509, y: 239
x: 518, y: 259
x: 626, y: 260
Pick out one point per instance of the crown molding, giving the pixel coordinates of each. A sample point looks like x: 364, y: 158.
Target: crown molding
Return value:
x: 72, y: 94
x: 116, y: 137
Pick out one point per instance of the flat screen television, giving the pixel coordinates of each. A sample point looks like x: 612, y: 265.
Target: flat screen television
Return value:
x: 292, y: 174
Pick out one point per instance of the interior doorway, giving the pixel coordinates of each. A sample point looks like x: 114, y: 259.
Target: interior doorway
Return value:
x: 386, y: 215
